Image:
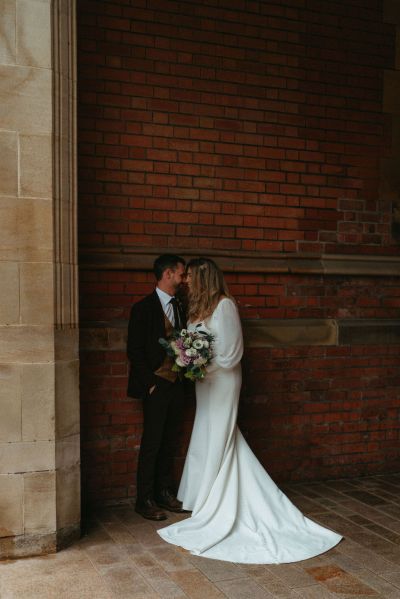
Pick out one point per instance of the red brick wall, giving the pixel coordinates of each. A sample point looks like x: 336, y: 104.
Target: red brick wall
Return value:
x: 315, y: 412
x: 254, y: 126
x: 108, y: 296
x: 241, y: 126
x: 308, y: 412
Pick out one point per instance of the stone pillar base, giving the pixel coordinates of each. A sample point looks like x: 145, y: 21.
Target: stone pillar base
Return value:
x: 29, y: 545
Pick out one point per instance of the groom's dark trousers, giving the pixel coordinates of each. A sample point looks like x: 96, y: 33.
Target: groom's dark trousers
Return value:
x: 162, y: 409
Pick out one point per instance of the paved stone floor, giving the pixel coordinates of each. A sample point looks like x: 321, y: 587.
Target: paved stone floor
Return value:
x: 121, y: 556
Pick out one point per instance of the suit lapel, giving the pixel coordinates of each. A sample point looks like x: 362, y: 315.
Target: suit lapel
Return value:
x: 158, y: 312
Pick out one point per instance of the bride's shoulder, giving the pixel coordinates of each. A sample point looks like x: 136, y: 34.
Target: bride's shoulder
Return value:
x: 222, y: 298
x: 224, y: 303
x: 225, y: 298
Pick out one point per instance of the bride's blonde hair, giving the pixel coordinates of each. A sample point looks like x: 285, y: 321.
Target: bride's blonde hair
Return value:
x: 207, y: 287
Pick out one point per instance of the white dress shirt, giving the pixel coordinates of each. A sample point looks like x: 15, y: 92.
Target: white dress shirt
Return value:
x: 165, y: 298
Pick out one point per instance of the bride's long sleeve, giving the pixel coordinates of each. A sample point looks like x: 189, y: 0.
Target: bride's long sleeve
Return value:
x: 228, y: 345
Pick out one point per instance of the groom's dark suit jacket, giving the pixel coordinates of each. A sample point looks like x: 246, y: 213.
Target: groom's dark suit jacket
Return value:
x: 146, y: 355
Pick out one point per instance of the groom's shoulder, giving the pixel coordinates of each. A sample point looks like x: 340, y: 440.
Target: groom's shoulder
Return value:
x: 145, y: 302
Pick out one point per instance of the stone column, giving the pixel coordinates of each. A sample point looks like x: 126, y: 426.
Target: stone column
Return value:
x: 39, y: 402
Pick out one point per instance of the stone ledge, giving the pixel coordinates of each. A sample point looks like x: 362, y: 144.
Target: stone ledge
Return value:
x: 368, y: 332
x: 289, y: 332
x: 269, y: 332
x: 249, y: 262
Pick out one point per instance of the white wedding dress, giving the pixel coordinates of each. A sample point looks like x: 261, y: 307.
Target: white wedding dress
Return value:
x: 238, y: 512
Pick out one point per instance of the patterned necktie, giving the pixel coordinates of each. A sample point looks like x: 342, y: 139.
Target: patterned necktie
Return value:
x: 174, y: 304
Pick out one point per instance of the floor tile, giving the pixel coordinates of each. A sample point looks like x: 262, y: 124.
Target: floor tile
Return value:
x: 339, y: 581
x: 243, y: 588
x: 216, y: 570
x: 121, y: 556
x: 196, y: 585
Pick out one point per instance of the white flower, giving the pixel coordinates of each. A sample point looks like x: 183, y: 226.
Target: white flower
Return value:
x: 179, y: 362
x: 183, y: 333
x: 198, y: 343
x: 191, y: 352
x: 205, y: 343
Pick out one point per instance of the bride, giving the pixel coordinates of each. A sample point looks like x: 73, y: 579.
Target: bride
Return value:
x: 238, y: 513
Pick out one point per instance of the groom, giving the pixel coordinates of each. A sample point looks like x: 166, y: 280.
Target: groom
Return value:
x: 152, y: 379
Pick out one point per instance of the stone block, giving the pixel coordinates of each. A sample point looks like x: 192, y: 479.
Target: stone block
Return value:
x: 36, y: 167
x: 7, y: 32
x: 26, y: 230
x: 9, y: 293
x: 27, y: 457
x: 10, y: 403
x: 26, y: 344
x: 40, y: 502
x: 11, y: 505
x: 25, y: 99
x: 369, y: 332
x: 67, y: 398
x: 68, y: 497
x: 34, y: 33
x: 349, y: 264
x: 354, y: 265
x: 286, y: 332
x: 66, y: 344
x: 37, y: 293
x: 68, y: 452
x: 38, y: 409
x: 8, y: 163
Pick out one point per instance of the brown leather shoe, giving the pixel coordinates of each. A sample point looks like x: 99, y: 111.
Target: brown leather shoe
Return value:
x: 149, y: 509
x: 168, y: 501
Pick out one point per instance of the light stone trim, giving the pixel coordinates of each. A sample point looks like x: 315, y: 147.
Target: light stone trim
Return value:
x: 269, y: 332
x: 249, y: 262
x: 289, y: 332
x: 64, y: 163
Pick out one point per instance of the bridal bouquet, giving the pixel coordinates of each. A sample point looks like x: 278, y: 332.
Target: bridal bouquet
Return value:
x: 191, y: 351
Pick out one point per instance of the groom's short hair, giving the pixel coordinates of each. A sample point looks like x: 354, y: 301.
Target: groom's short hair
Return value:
x: 166, y: 261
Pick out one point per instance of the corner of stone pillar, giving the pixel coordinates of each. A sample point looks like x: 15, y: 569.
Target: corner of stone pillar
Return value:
x: 66, y: 334
x: 39, y: 367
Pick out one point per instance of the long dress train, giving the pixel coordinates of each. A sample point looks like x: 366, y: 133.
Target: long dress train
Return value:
x: 238, y: 512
